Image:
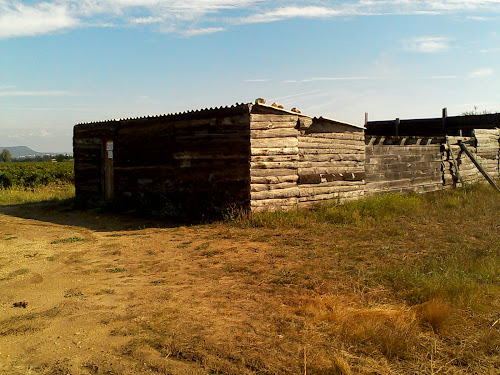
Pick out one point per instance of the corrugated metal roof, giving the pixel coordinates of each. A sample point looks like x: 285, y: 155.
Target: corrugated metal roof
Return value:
x: 186, y: 114
x: 207, y: 111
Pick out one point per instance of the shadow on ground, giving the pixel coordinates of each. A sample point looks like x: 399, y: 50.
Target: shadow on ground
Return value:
x: 63, y: 213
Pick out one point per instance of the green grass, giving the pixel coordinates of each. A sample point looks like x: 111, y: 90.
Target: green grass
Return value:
x: 364, y: 211
x: 455, y: 264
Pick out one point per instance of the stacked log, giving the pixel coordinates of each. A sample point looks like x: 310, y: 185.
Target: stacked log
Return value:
x: 488, y: 150
x: 331, y: 167
x: 273, y: 161
x: 402, y: 164
x: 466, y: 167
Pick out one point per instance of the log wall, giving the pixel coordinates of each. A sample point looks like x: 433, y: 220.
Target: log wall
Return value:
x: 293, y: 166
x: 402, y: 164
x: 274, y: 161
x: 466, y: 167
x: 488, y: 150
x: 331, y: 166
x: 261, y: 158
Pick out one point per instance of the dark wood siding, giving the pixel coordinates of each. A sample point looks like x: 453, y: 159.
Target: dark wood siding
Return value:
x: 199, y: 160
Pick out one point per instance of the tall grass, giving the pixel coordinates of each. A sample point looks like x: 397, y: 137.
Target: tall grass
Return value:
x: 54, y: 193
x: 351, y: 213
x: 364, y: 211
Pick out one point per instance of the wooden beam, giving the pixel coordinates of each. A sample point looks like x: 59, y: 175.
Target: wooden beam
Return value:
x: 478, y: 166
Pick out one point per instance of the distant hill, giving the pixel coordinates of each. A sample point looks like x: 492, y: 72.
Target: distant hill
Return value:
x: 18, y: 151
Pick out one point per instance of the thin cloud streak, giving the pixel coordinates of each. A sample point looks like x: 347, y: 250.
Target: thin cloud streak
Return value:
x: 480, y: 73
x: 19, y: 18
x: 307, y: 80
x: 427, y: 44
x: 36, y: 93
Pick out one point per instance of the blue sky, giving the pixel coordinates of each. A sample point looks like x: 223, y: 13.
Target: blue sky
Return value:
x: 65, y: 61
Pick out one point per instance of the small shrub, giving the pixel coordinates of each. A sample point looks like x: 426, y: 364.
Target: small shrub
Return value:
x: 69, y: 240
x: 116, y: 270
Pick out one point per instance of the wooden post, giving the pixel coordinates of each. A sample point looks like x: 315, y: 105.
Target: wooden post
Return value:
x: 396, y: 127
x: 366, y: 118
x: 108, y: 170
x: 445, y: 115
x: 478, y: 166
x: 454, y: 162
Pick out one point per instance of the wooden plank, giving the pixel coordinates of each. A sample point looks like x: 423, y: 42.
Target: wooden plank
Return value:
x: 273, y: 203
x: 268, y: 187
x: 274, y: 133
x: 355, y: 184
x: 334, y: 148
x: 272, y: 172
x: 274, y: 165
x: 289, y: 142
x: 274, y: 158
x: 336, y: 165
x: 275, y: 194
x: 273, y: 118
x: 331, y: 169
x: 319, y: 190
x: 274, y: 151
x: 273, y: 179
x: 332, y: 157
x: 358, y: 136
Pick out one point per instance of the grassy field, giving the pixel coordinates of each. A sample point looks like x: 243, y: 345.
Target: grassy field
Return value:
x: 387, y: 285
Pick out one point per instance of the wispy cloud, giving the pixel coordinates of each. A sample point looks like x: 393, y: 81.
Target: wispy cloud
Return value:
x: 290, y: 12
x: 18, y: 19
x: 489, y: 50
x: 27, y: 18
x: 35, y: 93
x: 207, y: 30
x: 257, y: 80
x: 427, y: 44
x: 370, y: 78
x: 317, y: 79
x: 481, y: 73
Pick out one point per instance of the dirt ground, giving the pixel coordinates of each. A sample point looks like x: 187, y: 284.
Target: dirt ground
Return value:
x: 100, y: 290
x: 110, y: 294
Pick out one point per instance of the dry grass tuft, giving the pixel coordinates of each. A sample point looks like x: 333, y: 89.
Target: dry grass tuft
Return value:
x: 328, y: 364
x: 434, y: 313
x: 392, y: 333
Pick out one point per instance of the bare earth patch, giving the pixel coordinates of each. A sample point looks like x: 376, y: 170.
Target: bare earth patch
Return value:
x: 106, y: 295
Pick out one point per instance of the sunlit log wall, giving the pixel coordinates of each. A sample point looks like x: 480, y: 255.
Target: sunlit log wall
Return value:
x: 422, y: 164
x: 297, y: 161
x: 402, y: 164
x: 488, y: 149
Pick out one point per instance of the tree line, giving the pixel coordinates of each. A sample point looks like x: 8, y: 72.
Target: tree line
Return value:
x: 6, y: 157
